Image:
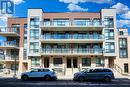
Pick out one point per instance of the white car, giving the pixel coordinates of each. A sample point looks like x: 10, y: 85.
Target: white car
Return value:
x: 45, y: 73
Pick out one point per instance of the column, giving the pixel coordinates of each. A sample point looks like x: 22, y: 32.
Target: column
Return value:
x: 93, y: 62
x: 42, y: 62
x: 64, y: 64
x: 64, y: 61
x: 20, y: 69
x: 106, y: 62
x: 51, y: 62
x: 80, y: 63
x: 5, y: 52
x: 29, y: 63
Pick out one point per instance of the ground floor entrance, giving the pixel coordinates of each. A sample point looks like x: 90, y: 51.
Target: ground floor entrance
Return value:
x: 46, y: 62
x: 72, y: 62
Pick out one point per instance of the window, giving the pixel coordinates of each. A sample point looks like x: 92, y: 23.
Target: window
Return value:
x: 126, y: 69
x: 35, y: 62
x: 25, y: 29
x: 86, y: 61
x: 61, y: 22
x: 34, y: 47
x: 107, y: 70
x: 97, y: 22
x: 34, y: 22
x: 25, y: 54
x: 57, y: 61
x: 123, y: 53
x: 15, y: 28
x: 121, y: 33
x: 25, y: 40
x: 46, y: 70
x: 34, y: 34
x: 109, y: 22
x: 109, y: 47
x: 99, y: 62
x: 122, y: 42
x: 2, y: 56
x: 14, y: 67
x: 82, y: 22
x: 109, y: 34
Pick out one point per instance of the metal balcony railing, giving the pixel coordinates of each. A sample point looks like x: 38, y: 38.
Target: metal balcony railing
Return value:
x: 67, y: 36
x: 10, y: 30
x: 8, y: 43
x: 71, y: 51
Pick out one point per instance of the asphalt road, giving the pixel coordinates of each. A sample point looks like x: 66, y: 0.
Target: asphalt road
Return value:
x: 12, y: 82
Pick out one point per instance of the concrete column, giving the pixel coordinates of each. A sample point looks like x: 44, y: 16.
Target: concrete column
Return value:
x: 20, y: 69
x: 29, y: 63
x: 80, y: 62
x: 42, y: 62
x: 93, y: 62
x: 5, y: 52
x: 51, y: 62
x: 106, y: 62
x: 64, y: 62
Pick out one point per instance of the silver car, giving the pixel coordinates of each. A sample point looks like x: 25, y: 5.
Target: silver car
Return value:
x: 44, y: 73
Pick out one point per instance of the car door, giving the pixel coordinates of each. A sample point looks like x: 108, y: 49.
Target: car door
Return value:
x: 97, y: 74
x: 35, y: 73
x: 89, y: 75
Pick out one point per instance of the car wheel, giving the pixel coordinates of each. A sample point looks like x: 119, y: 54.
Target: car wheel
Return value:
x: 24, y: 77
x: 81, y: 79
x: 107, y: 79
x: 47, y: 77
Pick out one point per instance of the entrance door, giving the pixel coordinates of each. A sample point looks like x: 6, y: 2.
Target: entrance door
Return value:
x: 111, y: 62
x: 75, y: 63
x: 72, y: 63
x: 68, y: 62
x: 46, y: 62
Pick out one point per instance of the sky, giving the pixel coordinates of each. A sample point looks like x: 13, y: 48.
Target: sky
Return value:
x: 122, y: 6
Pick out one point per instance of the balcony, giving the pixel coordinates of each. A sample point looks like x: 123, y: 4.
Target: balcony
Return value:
x: 8, y: 58
x: 8, y: 45
x: 4, y: 31
x: 66, y: 25
x: 68, y: 51
x: 12, y: 58
x: 75, y: 38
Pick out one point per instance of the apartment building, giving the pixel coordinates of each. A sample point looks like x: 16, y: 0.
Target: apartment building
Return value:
x: 67, y: 42
x: 12, y: 45
x: 122, y: 62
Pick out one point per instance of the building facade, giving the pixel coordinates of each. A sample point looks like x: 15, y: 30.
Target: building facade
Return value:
x: 67, y: 42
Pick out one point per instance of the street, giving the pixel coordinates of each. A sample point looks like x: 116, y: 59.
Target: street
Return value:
x: 13, y: 82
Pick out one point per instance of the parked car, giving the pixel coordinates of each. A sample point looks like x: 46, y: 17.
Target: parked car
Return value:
x: 44, y: 73
x: 94, y: 74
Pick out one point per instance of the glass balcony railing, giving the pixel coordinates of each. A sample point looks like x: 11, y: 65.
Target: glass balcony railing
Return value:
x: 2, y: 57
x: 59, y: 23
x: 10, y: 30
x: 75, y: 36
x: 12, y: 57
x: 8, y: 43
x: 71, y: 51
x: 33, y: 50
